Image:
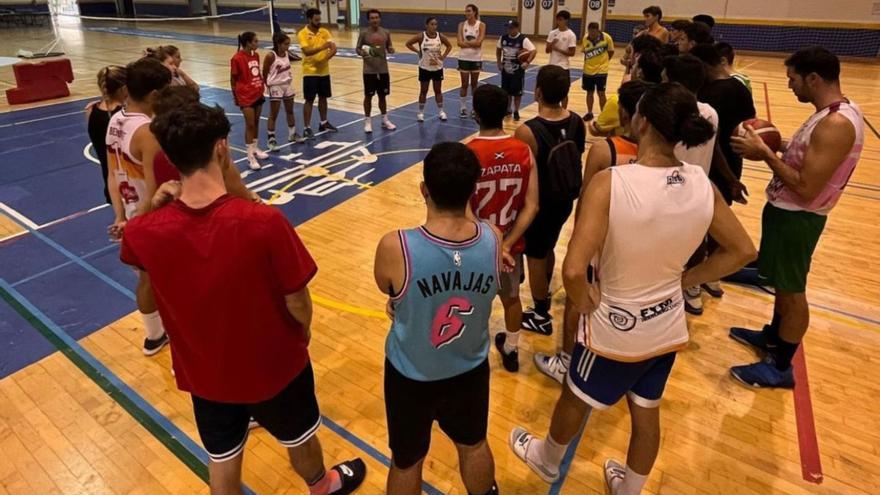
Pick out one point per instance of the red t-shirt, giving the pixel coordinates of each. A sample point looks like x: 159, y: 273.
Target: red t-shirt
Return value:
x: 220, y: 274
x: 248, y: 78
x: 506, y: 163
x: 163, y: 169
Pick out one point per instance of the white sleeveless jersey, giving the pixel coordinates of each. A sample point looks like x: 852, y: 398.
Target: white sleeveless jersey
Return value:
x: 431, y: 49
x: 279, y: 72
x: 129, y: 172
x: 657, y: 218
x: 471, y: 33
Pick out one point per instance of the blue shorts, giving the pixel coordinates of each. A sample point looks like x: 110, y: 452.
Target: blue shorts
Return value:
x: 602, y: 382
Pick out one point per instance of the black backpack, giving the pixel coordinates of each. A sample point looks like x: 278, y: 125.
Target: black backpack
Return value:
x: 563, y: 173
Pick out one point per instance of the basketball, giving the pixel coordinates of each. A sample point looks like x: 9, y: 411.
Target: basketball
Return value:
x: 768, y: 132
x: 523, y: 56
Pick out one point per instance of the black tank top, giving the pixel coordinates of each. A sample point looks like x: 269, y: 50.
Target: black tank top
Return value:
x: 99, y: 120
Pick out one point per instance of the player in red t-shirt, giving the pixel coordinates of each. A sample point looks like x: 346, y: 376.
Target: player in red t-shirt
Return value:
x: 235, y: 301
x: 507, y: 196
x: 247, y: 90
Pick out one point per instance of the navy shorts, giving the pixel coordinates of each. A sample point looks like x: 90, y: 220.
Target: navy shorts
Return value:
x: 602, y: 382
x: 594, y: 83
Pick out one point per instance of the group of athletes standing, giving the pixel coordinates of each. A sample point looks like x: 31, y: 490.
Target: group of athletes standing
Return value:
x: 234, y: 296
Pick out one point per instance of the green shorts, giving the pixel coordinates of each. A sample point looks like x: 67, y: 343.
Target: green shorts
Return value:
x: 788, y: 239
x: 470, y: 66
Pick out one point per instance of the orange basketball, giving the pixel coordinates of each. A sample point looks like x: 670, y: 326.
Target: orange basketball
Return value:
x: 523, y: 55
x: 765, y: 129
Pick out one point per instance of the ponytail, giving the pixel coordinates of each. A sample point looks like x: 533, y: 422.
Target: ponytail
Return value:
x: 111, y: 79
x: 245, y: 38
x: 278, y: 39
x: 672, y: 111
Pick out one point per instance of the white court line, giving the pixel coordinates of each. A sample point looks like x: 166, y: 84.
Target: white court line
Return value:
x: 18, y: 216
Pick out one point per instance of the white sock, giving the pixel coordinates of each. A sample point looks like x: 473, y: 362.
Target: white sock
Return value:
x: 463, y: 103
x: 566, y: 358
x: 251, y: 149
x: 152, y: 325
x: 551, y: 452
x: 511, y: 342
x: 291, y: 130
x: 324, y: 122
x: 384, y: 117
x: 632, y: 483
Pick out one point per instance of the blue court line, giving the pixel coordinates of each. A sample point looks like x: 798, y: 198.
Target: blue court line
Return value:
x: 568, y: 458
x: 372, y: 452
x: 62, y: 265
x: 131, y: 394
x: 127, y: 391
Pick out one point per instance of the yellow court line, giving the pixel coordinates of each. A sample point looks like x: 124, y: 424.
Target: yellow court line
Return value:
x: 348, y: 308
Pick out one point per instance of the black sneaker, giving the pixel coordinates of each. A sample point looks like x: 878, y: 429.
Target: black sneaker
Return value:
x: 308, y: 133
x: 510, y: 361
x: 152, y: 346
x: 327, y: 126
x: 516, y: 116
x: 588, y: 117
x: 352, y: 474
x: 534, y: 322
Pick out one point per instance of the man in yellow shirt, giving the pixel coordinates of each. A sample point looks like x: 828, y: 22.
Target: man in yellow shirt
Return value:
x: 598, y: 50
x: 318, y: 48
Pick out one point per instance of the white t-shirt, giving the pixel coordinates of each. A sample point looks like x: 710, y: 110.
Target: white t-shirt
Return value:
x: 700, y: 155
x: 567, y: 39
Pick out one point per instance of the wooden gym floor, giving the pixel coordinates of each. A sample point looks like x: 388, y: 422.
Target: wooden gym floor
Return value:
x: 60, y: 432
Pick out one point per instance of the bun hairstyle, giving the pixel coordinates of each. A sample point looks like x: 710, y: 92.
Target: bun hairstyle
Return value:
x: 245, y: 38
x: 672, y: 111
x: 111, y: 80
x: 161, y: 52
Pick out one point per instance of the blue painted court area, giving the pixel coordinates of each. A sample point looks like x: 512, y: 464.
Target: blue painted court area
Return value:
x: 51, y: 185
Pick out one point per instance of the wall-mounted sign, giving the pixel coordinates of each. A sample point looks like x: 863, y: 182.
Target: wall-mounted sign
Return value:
x: 546, y: 4
x: 528, y: 4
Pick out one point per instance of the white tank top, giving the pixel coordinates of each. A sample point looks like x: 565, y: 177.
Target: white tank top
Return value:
x: 470, y: 33
x: 279, y: 72
x: 656, y: 220
x: 431, y: 49
x: 782, y: 197
x: 129, y: 172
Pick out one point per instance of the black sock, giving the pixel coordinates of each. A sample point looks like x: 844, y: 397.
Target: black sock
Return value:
x: 492, y: 491
x: 783, y: 353
x: 771, y: 331
x: 542, y: 306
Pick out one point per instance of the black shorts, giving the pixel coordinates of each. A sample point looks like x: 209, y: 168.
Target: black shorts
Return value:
x: 543, y: 234
x: 459, y: 404
x: 259, y: 101
x: 377, y: 83
x: 316, y: 86
x: 292, y: 417
x: 513, y: 83
x: 595, y: 82
x: 430, y: 75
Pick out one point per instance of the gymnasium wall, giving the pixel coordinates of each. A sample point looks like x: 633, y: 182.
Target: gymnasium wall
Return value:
x: 39, y: 5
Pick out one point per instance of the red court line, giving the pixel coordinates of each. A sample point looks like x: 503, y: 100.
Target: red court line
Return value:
x: 767, y: 101
x: 811, y: 465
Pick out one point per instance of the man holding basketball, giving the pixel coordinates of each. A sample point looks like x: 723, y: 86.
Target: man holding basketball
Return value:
x: 373, y: 44
x: 513, y: 55
x: 807, y: 182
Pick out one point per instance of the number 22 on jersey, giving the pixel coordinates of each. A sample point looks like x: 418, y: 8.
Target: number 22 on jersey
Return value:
x: 496, y: 200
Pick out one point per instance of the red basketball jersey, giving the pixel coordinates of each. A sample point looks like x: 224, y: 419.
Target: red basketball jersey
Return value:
x: 501, y: 191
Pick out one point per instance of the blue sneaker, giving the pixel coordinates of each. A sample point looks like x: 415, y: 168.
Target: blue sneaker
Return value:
x: 753, y: 338
x: 763, y: 374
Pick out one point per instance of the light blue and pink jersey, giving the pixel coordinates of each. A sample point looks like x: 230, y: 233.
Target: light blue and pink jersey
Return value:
x: 441, y: 321
x: 782, y: 197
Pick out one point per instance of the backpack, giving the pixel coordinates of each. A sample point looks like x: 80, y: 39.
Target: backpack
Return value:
x: 563, y: 171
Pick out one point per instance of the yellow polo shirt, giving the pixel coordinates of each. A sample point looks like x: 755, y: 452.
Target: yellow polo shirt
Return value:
x: 319, y: 63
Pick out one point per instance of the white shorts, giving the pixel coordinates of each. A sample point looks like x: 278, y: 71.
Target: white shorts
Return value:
x: 281, y: 92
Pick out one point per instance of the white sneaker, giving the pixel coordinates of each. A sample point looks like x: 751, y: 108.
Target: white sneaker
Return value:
x: 387, y: 124
x: 260, y: 154
x: 553, y: 366
x: 693, y: 302
x: 442, y: 115
x: 614, y: 474
x: 420, y: 116
x: 253, y: 164
x: 368, y: 126
x: 520, y: 441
